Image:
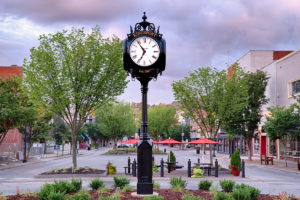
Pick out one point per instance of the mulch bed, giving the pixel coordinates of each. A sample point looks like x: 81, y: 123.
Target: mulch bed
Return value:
x: 77, y: 171
x: 166, y: 193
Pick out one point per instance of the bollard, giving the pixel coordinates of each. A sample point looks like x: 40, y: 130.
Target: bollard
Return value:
x: 129, y: 165
x: 198, y: 160
x: 162, y: 168
x: 216, y: 168
x: 243, y: 168
x: 165, y: 150
x: 197, y: 151
x: 134, y: 168
x: 189, y: 168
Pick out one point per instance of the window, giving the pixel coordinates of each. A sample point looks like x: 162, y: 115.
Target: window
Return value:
x: 295, y: 87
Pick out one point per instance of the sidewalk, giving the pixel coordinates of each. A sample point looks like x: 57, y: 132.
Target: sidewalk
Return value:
x: 278, y: 164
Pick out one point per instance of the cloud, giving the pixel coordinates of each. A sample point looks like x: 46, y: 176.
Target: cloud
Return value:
x: 198, y: 33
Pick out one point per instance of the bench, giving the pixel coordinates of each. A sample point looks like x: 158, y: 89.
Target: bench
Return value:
x: 266, y: 159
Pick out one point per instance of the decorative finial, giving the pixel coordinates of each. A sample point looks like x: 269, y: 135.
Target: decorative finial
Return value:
x: 144, y: 17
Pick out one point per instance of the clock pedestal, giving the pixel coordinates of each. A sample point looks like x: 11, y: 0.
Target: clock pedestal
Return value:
x: 144, y: 153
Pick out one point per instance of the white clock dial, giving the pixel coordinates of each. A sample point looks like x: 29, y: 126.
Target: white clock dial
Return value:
x: 144, y: 51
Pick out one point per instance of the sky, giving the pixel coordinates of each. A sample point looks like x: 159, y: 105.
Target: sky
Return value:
x: 198, y: 33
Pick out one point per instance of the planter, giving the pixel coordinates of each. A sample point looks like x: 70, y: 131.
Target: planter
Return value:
x: 235, y: 172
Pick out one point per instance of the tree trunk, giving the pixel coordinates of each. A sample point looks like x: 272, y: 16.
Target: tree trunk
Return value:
x: 28, y: 150
x: 249, y: 143
x: 74, y: 147
x: 63, y: 148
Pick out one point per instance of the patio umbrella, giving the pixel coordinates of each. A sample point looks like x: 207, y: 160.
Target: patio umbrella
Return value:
x: 205, y: 141
x: 170, y: 141
x: 132, y: 141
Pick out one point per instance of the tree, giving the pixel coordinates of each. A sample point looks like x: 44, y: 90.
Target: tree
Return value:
x: 94, y: 132
x: 61, y: 133
x: 282, y: 123
x: 161, y: 118
x: 11, y: 110
x: 72, y: 73
x: 199, y: 95
x: 116, y: 120
x: 243, y: 118
x: 175, y: 132
x: 35, y: 124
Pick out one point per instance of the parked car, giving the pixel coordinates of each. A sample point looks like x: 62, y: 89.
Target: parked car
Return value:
x: 123, y: 146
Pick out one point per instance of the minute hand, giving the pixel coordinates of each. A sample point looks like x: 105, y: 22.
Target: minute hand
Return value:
x: 144, y: 51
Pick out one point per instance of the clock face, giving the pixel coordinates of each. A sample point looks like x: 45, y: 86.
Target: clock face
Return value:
x: 144, y: 51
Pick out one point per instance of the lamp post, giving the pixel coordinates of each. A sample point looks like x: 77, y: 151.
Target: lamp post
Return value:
x: 182, y: 136
x: 144, y: 58
x: 25, y: 136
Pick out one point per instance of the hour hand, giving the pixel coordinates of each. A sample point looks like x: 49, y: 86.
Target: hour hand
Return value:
x: 142, y: 48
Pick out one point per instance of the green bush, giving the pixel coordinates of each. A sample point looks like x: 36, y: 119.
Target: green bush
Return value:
x: 241, y: 194
x: 77, y: 183
x: 154, y: 198
x: 154, y: 169
x: 109, y: 198
x: 63, y: 187
x: 45, y: 191
x: 227, y: 185
x: 95, y: 184
x: 222, y: 196
x: 171, y: 157
x: 83, y: 195
x: 55, y: 196
x: 121, y: 182
x: 156, y: 185
x: 254, y: 192
x: 127, y: 188
x: 177, y: 182
x: 197, y: 173
x: 204, y: 185
x: 235, y: 161
x: 191, y: 197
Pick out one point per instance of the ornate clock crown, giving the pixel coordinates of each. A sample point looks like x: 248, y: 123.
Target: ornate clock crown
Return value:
x: 144, y: 26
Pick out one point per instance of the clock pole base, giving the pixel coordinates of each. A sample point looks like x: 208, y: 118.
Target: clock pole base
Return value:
x: 144, y: 188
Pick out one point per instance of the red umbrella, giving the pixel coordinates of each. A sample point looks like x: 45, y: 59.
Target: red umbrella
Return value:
x: 170, y: 141
x: 203, y: 141
x: 132, y: 141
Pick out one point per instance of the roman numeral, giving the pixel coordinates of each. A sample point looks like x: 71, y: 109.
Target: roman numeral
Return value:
x: 155, y: 51
x: 134, y: 57
x: 144, y: 62
x: 133, y: 51
x: 154, y: 57
x: 149, y: 42
x: 154, y: 46
x: 145, y: 40
x: 150, y: 61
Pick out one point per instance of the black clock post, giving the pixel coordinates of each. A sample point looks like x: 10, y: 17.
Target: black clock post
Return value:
x: 144, y: 61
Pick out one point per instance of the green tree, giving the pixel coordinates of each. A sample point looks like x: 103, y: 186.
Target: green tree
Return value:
x: 200, y: 96
x: 11, y: 110
x: 94, y: 132
x: 174, y: 132
x: 61, y: 133
x: 243, y: 117
x: 282, y: 123
x: 161, y: 118
x: 36, y: 124
x: 72, y: 73
x: 116, y: 120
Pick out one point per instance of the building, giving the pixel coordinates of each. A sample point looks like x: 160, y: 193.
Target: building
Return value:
x: 283, y: 70
x: 12, y: 144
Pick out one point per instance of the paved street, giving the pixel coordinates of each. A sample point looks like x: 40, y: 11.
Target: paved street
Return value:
x: 24, y: 178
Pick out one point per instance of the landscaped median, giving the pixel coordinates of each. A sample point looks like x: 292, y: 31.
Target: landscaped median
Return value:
x: 64, y: 190
x: 130, y: 150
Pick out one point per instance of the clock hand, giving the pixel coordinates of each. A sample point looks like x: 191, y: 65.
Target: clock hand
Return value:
x: 144, y: 51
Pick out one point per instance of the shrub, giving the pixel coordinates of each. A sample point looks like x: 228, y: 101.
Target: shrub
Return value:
x: 83, y: 195
x: 121, y: 182
x: 127, y: 188
x: 55, y: 196
x: 204, y: 185
x: 235, y: 161
x: 154, y: 198
x: 109, y: 198
x: 171, y: 157
x: 63, y: 187
x: 222, y: 196
x: 96, y: 184
x: 154, y: 169
x: 177, y: 182
x: 77, y: 183
x: 227, y: 185
x: 241, y: 194
x: 45, y: 191
x: 191, y: 197
x: 254, y: 192
x: 197, y: 173
x: 156, y: 185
